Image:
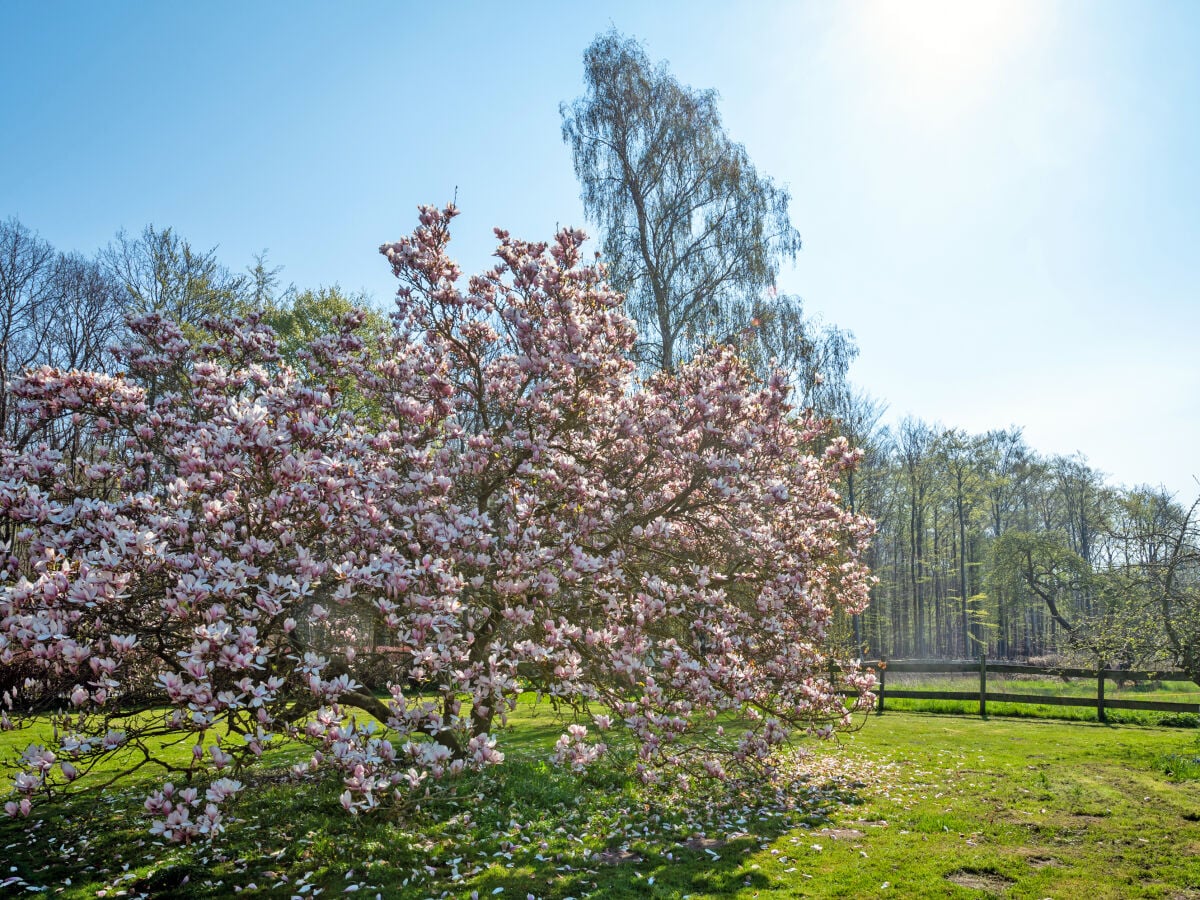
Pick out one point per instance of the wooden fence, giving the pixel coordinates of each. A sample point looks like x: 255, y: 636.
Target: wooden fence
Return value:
x: 1100, y: 674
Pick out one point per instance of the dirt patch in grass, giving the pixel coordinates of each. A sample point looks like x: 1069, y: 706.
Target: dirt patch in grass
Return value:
x: 1043, y: 862
x: 699, y: 843
x: 976, y: 880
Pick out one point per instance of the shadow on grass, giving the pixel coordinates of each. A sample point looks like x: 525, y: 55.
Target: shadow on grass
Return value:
x: 526, y: 827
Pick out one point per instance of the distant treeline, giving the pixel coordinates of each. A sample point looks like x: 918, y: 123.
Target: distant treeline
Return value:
x: 983, y: 544
x: 69, y: 310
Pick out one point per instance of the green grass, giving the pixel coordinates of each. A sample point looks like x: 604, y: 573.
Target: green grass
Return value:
x: 1184, y: 766
x: 928, y: 805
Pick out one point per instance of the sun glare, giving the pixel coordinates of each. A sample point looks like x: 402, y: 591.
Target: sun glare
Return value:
x: 939, y: 56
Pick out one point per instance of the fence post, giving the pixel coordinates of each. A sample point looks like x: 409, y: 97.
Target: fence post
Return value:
x: 1100, y: 713
x: 882, y: 687
x: 983, y: 684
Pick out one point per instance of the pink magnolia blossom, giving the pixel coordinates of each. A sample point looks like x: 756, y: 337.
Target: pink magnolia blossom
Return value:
x: 488, y: 490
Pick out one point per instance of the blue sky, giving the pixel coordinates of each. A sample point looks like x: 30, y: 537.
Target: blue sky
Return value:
x: 1001, y: 201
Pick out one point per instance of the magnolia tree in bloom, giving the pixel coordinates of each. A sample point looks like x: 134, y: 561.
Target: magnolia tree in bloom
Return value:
x: 488, y: 482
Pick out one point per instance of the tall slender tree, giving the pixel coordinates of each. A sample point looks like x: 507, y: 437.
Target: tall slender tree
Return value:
x: 693, y: 235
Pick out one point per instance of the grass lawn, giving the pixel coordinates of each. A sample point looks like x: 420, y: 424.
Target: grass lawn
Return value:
x: 914, y: 805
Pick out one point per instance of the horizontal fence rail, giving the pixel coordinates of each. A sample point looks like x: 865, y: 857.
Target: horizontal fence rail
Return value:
x: 981, y: 666
x: 905, y: 667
